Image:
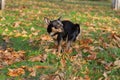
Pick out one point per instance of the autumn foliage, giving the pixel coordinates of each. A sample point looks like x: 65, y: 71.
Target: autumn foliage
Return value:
x: 27, y: 51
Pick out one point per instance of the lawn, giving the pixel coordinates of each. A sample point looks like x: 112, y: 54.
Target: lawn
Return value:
x: 27, y: 52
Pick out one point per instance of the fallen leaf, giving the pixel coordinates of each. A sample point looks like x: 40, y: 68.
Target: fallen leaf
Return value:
x: 40, y: 57
x: 108, y: 66
x: 87, y: 77
x: 18, y: 35
x: 41, y: 67
x: 57, y: 78
x: 76, y: 78
x: 35, y: 33
x: 17, y: 24
x: 44, y: 77
x: 46, y: 38
x: 86, y: 41
x: 6, y: 30
x: 32, y: 29
x: 115, y: 36
x: 91, y: 57
x: 7, y: 39
x: 105, y: 74
x: 10, y: 56
x: 63, y: 63
x: 33, y: 72
x: 16, y: 72
x: 117, y: 63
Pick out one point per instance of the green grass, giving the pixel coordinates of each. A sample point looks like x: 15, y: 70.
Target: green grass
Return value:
x: 98, y: 21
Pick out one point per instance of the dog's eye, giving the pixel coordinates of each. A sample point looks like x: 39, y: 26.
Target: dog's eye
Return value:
x: 55, y: 27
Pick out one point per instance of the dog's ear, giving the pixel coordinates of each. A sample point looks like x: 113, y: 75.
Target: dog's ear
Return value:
x: 47, y: 21
x: 60, y: 18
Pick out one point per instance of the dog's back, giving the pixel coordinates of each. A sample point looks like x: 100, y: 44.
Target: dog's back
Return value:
x: 71, y: 30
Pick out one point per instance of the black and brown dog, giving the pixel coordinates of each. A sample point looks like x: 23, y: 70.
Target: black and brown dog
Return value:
x: 62, y: 31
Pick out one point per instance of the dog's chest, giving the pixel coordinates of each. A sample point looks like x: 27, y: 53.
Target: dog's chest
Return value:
x: 54, y: 32
x: 55, y: 37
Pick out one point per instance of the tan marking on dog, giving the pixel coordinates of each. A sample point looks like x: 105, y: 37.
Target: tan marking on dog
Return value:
x: 52, y: 33
x: 56, y: 30
x: 55, y: 37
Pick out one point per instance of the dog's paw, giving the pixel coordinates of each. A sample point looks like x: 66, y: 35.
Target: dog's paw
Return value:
x: 68, y: 50
x: 60, y: 51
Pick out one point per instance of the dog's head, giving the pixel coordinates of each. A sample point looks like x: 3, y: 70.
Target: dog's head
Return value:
x: 54, y: 25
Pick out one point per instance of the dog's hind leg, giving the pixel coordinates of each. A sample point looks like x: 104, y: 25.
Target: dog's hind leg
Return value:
x: 68, y: 45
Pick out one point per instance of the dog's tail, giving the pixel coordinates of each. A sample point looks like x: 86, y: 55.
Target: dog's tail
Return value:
x: 76, y: 31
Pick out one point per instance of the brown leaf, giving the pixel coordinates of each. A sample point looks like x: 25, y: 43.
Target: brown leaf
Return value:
x: 108, y: 66
x: 86, y: 41
x: 57, y: 78
x: 68, y: 51
x: 44, y: 77
x: 10, y: 56
x: 63, y: 62
x: 18, y: 35
x: 33, y: 72
x: 46, y: 38
x: 76, y: 78
x: 117, y: 63
x: 1, y: 66
x: 87, y: 77
x: 17, y: 24
x: 115, y: 36
x: 41, y: 67
x: 16, y: 72
x: 7, y: 39
x: 91, y: 57
x: 105, y: 74
x: 38, y: 58
x: 48, y: 50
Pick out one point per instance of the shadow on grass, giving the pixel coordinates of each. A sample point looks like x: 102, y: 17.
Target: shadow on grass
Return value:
x: 19, y: 43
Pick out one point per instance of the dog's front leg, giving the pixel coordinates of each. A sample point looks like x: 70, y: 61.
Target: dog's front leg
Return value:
x: 59, y: 47
x: 59, y: 42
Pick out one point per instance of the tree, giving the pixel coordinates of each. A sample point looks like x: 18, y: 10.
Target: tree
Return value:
x: 116, y: 4
x: 2, y: 4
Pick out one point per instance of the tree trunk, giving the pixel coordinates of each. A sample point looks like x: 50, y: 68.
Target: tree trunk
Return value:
x: 115, y: 4
x: 2, y: 4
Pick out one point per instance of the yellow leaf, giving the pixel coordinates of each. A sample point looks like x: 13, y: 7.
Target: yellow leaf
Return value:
x: 32, y: 29
x: 35, y: 33
x: 6, y: 30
